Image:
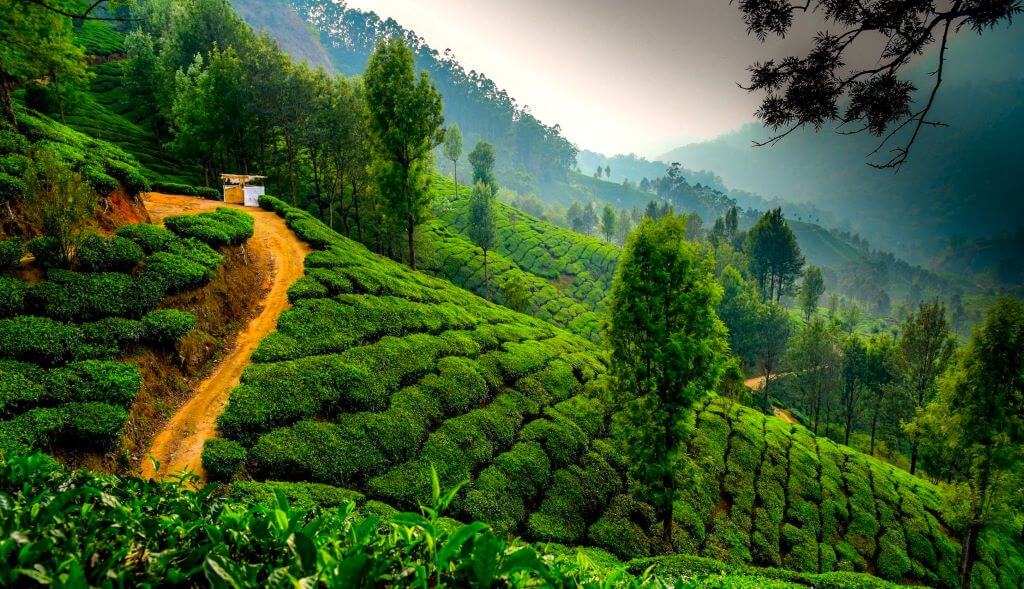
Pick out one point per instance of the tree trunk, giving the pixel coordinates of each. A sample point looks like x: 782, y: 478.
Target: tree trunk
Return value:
x: 968, y: 555
x: 669, y: 481
x: 913, y: 453
x: 874, y: 427
x: 5, y: 97
x: 411, y: 229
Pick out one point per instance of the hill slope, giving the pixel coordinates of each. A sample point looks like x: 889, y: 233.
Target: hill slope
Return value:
x: 398, y: 371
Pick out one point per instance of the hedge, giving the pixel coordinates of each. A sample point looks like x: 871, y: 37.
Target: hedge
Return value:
x: 151, y: 238
x: 222, y: 459
x: 187, y: 190
x: 46, y: 251
x: 115, y: 383
x: 11, y: 251
x: 96, y: 253
x: 77, y: 296
x: 165, y: 327
x: 12, y: 188
x: 223, y: 227
x: 13, y: 293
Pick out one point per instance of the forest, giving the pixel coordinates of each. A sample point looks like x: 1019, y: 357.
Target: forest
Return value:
x: 438, y: 352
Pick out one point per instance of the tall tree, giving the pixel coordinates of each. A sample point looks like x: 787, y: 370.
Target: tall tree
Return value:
x: 816, y: 357
x: 406, y: 119
x: 481, y: 223
x: 482, y: 159
x: 775, y: 258
x: 453, y: 151
x: 623, y: 226
x: 854, y: 379
x: 35, y: 42
x: 822, y: 88
x: 811, y: 290
x: 878, y: 373
x: 980, y: 409
x: 773, y: 328
x: 668, y: 350
x: 608, y: 221
x: 924, y: 350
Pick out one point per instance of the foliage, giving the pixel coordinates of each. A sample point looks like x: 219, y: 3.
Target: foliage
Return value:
x: 481, y: 220
x: 11, y: 251
x: 224, y: 227
x: 405, y: 116
x: 515, y: 293
x: 810, y: 291
x: 482, y: 159
x: 164, y: 327
x: 222, y: 459
x: 667, y: 347
x: 187, y: 190
x: 775, y: 259
x: 96, y: 253
x: 59, y: 201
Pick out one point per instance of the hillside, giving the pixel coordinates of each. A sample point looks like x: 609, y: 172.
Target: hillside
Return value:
x: 519, y: 408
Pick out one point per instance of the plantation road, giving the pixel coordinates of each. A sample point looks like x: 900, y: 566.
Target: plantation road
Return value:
x: 179, y: 445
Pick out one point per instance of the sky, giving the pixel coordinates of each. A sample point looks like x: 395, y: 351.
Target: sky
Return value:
x: 641, y: 76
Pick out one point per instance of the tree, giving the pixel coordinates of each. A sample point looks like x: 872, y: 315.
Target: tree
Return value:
x: 811, y: 290
x: 822, y: 88
x: 878, y: 378
x: 60, y: 201
x: 668, y: 350
x: 37, y: 42
x: 855, y: 366
x: 608, y: 172
x: 773, y: 328
x: 598, y: 172
x: 979, y: 410
x: 481, y: 223
x: 623, y: 226
x: 732, y: 222
x: 482, y: 159
x: 516, y: 293
x: 453, y: 151
x: 608, y: 221
x: 405, y: 117
x: 923, y: 352
x: 575, y: 217
x: 589, y: 218
x: 816, y: 357
x: 775, y: 258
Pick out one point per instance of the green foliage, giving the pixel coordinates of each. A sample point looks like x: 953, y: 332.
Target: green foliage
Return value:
x: 12, y: 188
x: 114, y: 383
x: 151, y: 238
x: 775, y: 258
x: 164, y: 327
x: 222, y: 459
x: 811, y: 290
x: 482, y: 159
x: 11, y: 251
x: 96, y: 253
x: 224, y: 227
x: 187, y: 190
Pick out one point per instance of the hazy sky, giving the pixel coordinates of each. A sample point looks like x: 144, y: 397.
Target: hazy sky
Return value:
x: 619, y: 76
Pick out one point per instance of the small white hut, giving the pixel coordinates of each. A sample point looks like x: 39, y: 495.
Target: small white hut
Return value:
x: 242, y: 189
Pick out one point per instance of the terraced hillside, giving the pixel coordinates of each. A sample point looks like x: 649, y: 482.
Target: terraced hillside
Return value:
x: 379, y: 372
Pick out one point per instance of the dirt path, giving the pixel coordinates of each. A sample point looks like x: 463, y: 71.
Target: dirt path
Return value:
x: 757, y: 383
x: 180, y: 444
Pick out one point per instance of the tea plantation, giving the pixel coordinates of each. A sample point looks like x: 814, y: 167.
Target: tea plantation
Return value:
x: 378, y: 373
x: 61, y: 384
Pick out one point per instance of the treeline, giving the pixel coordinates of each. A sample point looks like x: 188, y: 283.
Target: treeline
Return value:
x: 355, y: 152
x: 529, y: 151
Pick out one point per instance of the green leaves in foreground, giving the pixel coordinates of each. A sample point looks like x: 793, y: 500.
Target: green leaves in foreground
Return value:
x: 78, y: 529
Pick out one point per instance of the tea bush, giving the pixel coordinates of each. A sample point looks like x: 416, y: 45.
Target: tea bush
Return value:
x: 222, y: 459
x: 164, y: 327
x: 11, y: 251
x: 96, y: 253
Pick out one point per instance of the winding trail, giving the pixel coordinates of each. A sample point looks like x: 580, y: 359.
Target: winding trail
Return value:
x: 757, y: 383
x: 179, y: 445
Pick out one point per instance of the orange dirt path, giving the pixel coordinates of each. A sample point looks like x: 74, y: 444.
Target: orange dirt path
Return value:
x: 179, y: 445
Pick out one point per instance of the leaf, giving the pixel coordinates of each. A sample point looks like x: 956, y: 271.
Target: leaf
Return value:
x: 456, y: 541
x: 218, y: 575
x: 305, y: 551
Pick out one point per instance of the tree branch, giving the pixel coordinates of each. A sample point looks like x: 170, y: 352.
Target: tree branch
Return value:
x: 87, y: 15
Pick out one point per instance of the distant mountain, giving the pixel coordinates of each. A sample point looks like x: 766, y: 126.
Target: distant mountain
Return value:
x: 959, y: 183
x: 328, y: 33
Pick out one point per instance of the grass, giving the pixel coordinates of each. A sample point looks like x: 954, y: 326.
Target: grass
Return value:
x: 397, y: 372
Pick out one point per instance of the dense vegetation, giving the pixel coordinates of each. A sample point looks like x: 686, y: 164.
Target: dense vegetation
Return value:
x: 61, y: 383
x: 523, y: 412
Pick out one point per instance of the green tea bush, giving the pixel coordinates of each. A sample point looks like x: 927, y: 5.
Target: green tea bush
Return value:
x: 12, y: 296
x: 222, y: 459
x: 223, y: 227
x: 170, y: 273
x: 11, y: 251
x: 187, y: 190
x: 38, y: 339
x: 128, y: 175
x: 77, y: 296
x: 96, y: 177
x: 12, y: 188
x: 93, y: 425
x: 151, y: 238
x: 96, y: 253
x: 45, y: 250
x: 164, y: 327
x: 114, y: 383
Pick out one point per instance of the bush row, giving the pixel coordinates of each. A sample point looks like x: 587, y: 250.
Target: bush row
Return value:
x: 224, y: 227
x: 187, y: 190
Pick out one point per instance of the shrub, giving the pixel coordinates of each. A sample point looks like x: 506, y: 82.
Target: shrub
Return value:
x: 38, y: 339
x: 306, y: 288
x: 11, y: 251
x: 170, y: 273
x: 12, y: 188
x: 167, y: 326
x: 100, y: 181
x: 151, y: 238
x: 94, y: 425
x: 114, y: 383
x: 223, y: 227
x: 46, y: 251
x: 96, y: 253
x: 128, y: 175
x: 187, y: 190
x: 12, y: 296
x: 196, y: 251
x: 222, y: 459
x: 76, y: 296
